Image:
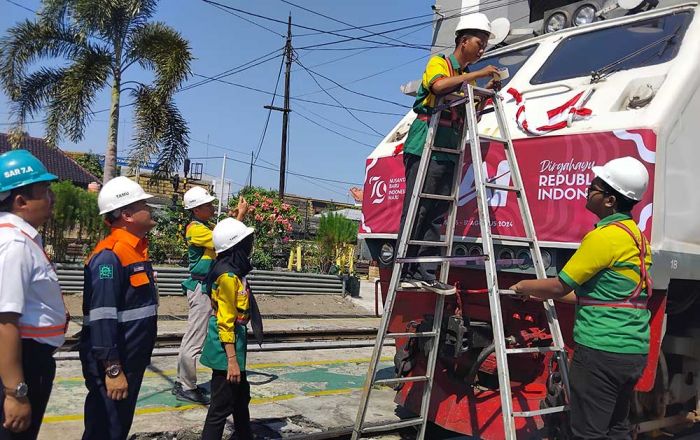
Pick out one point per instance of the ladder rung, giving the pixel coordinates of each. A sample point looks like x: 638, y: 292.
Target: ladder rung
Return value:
x: 445, y: 150
x: 391, y: 426
x: 427, y: 243
x: 401, y: 380
x: 512, y: 238
x: 507, y: 292
x: 437, y: 197
x: 479, y: 91
x: 483, y: 137
x: 502, y: 187
x: 531, y: 350
x: 540, y: 412
x: 439, y: 259
x: 411, y: 335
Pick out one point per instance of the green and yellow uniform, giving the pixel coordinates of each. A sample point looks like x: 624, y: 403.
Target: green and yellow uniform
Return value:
x: 200, y: 252
x: 231, y: 299
x: 606, y: 270
x: 438, y: 67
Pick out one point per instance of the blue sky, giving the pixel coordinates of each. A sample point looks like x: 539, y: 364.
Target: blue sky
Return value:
x: 233, y: 117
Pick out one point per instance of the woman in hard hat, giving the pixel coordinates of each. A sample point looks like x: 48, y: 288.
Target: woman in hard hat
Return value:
x: 608, y: 278
x: 32, y: 314
x: 442, y: 75
x: 225, y: 346
x: 120, y: 306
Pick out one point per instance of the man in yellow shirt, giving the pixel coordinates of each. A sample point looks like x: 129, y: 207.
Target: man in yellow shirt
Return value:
x: 201, y: 255
x: 443, y: 75
x: 608, y: 278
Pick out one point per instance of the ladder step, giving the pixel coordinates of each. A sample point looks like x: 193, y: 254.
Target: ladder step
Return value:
x: 483, y: 137
x: 480, y: 91
x: 540, y: 412
x: 507, y: 292
x: 512, y: 238
x: 401, y: 380
x: 439, y: 259
x: 411, y: 335
x: 436, y: 197
x: 445, y: 150
x: 427, y: 243
x: 501, y: 187
x: 392, y: 426
x: 531, y: 350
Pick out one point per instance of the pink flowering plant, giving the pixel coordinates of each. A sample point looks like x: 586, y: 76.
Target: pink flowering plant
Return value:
x: 273, y: 222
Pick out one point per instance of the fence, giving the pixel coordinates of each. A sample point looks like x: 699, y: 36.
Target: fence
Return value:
x: 70, y: 277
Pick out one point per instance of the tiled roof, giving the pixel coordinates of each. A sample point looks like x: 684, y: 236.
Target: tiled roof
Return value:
x: 55, y: 160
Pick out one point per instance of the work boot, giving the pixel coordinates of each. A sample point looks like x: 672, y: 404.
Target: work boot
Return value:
x: 439, y: 288
x: 195, y: 396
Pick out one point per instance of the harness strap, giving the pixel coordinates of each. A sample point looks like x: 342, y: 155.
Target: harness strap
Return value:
x: 632, y: 300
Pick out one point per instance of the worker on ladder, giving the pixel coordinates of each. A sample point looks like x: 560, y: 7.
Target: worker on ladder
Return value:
x: 443, y: 74
x: 200, y: 252
x: 608, y: 278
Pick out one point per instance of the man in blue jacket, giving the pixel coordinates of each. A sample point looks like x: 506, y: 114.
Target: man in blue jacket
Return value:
x: 120, y: 305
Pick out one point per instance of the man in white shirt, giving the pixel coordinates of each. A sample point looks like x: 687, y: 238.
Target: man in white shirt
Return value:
x: 32, y: 313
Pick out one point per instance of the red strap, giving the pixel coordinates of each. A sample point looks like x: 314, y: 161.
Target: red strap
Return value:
x: 632, y: 301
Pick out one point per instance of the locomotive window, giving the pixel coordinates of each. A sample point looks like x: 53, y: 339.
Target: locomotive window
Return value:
x: 513, y: 60
x: 643, y: 43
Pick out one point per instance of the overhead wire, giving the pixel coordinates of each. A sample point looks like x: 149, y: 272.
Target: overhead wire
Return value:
x: 333, y: 131
x: 238, y: 69
x: 269, y: 113
x: 252, y: 14
x: 336, y: 100
x: 221, y: 7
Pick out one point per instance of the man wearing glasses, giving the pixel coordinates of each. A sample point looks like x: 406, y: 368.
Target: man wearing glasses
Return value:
x: 608, y: 279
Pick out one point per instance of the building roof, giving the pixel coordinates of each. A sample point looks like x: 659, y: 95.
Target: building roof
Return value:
x: 55, y: 160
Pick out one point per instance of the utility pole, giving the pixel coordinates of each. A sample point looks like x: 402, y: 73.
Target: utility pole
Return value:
x: 285, y: 110
x: 221, y: 196
x: 252, y: 155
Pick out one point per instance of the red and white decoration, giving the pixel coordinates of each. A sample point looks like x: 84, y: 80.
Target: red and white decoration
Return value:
x: 556, y: 119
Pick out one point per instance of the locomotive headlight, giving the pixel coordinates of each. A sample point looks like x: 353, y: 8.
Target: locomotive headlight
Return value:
x: 386, y: 254
x: 584, y: 15
x: 555, y: 22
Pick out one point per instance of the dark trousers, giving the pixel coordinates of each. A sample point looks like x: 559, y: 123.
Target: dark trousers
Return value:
x: 429, y: 218
x: 39, y: 370
x: 228, y: 399
x: 106, y: 418
x: 601, y: 388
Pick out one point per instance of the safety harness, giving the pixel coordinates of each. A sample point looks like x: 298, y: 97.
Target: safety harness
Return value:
x: 632, y: 301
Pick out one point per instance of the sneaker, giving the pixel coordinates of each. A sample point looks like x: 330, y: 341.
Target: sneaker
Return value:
x: 439, y: 288
x: 176, y: 388
x: 410, y: 283
x: 194, y: 396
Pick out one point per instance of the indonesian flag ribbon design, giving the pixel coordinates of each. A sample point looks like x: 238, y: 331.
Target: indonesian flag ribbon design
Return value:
x: 557, y: 118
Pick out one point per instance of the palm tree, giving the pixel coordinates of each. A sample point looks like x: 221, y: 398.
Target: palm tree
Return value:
x: 101, y: 40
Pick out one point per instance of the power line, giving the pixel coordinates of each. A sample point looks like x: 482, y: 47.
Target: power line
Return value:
x: 21, y: 6
x: 336, y: 132
x: 221, y: 7
x: 353, y: 91
x: 308, y: 27
x: 269, y: 112
x: 240, y: 68
x: 290, y: 173
x: 320, y: 116
x: 336, y: 100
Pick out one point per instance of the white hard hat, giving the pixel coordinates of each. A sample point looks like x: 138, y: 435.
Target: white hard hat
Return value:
x: 476, y: 21
x: 626, y: 175
x: 119, y: 192
x: 197, y: 196
x: 228, y: 233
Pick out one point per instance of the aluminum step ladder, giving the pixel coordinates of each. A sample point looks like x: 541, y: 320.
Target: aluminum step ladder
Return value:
x: 471, y: 137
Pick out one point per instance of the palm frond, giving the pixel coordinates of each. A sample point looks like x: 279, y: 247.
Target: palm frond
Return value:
x: 160, y: 130
x: 158, y: 47
x: 28, y: 41
x: 74, y: 94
